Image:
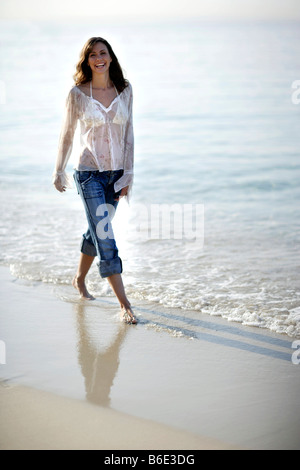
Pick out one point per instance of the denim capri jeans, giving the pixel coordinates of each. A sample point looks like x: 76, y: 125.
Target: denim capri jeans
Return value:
x: 98, y: 196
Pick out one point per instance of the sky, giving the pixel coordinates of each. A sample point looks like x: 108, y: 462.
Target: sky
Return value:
x: 152, y: 9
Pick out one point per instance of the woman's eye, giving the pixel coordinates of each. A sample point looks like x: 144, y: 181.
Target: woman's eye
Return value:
x: 94, y: 55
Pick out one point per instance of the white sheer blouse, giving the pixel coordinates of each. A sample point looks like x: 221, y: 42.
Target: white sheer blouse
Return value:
x: 106, y: 136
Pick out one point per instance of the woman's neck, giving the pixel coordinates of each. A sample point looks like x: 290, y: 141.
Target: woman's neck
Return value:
x: 101, y: 81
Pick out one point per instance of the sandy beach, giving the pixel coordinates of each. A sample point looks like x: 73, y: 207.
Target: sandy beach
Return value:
x: 76, y: 378
x: 37, y: 420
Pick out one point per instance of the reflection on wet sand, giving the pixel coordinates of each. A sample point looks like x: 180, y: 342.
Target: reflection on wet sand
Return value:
x: 99, y: 368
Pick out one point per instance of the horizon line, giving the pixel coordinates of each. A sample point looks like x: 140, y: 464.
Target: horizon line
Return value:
x: 153, y: 18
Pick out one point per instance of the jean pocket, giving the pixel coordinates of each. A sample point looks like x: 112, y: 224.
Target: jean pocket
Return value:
x: 85, y: 176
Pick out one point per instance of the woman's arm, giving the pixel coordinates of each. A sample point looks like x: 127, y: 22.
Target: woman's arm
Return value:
x: 60, y: 179
x: 126, y: 181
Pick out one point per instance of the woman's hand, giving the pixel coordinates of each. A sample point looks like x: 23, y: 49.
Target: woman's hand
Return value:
x: 124, y: 192
x: 58, y: 185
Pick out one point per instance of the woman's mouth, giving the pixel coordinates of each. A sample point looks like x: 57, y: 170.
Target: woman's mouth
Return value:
x: 100, y: 66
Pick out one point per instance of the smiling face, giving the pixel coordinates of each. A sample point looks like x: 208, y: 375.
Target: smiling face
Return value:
x: 99, y: 59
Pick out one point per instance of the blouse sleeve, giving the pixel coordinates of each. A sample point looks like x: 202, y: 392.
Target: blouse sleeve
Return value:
x: 127, y: 178
x: 66, y: 139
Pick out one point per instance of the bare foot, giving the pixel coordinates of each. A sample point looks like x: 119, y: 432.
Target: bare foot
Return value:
x: 127, y: 316
x: 81, y: 287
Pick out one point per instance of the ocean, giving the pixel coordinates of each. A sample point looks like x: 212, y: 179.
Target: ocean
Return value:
x: 216, y: 124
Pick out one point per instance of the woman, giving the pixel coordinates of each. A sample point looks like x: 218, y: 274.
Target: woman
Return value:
x: 101, y: 101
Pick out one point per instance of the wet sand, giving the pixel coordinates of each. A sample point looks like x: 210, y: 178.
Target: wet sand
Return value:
x: 77, y: 378
x: 37, y: 420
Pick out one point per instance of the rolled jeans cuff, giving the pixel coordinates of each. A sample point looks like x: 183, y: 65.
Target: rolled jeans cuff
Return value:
x: 88, y: 248
x: 108, y: 267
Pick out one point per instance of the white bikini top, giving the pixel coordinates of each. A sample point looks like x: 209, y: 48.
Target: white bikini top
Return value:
x: 104, y: 107
x: 121, y: 115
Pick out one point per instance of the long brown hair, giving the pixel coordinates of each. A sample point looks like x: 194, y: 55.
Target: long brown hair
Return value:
x: 84, y: 74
